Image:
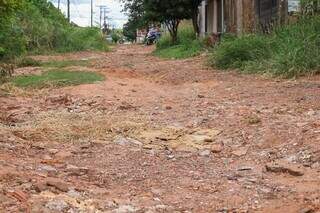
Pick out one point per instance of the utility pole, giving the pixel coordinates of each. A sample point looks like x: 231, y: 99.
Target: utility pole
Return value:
x: 58, y: 4
x: 103, y: 10
x: 68, y: 3
x: 91, y: 13
x: 104, y: 16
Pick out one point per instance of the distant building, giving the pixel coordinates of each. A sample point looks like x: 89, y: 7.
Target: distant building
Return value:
x: 141, y: 35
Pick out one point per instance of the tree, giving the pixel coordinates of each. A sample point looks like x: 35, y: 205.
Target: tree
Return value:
x: 310, y: 7
x: 130, y: 30
x: 8, y: 7
x: 136, y: 17
x: 195, y: 14
x: 169, y: 12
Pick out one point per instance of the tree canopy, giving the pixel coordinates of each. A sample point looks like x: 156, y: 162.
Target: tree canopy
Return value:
x: 168, y: 12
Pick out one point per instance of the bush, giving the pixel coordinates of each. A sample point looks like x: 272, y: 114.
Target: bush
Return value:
x: 289, y: 51
x: 80, y: 39
x: 115, y: 37
x: 296, y: 49
x: 186, y: 35
x: 234, y: 53
x: 187, y: 45
x: 36, y: 26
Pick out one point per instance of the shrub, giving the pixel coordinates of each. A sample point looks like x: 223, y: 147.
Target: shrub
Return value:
x: 296, y: 49
x: 187, y: 45
x: 290, y: 51
x: 186, y: 35
x: 115, y: 37
x: 234, y: 53
x: 79, y: 39
x: 36, y: 26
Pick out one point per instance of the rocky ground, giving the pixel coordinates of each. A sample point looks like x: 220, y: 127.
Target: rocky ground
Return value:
x: 160, y: 136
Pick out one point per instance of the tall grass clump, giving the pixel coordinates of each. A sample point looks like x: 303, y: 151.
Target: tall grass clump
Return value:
x: 296, y: 49
x: 290, y: 51
x: 187, y: 44
x: 80, y: 39
x: 36, y: 26
x: 234, y: 53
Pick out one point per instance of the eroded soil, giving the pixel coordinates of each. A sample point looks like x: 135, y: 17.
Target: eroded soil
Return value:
x: 161, y: 136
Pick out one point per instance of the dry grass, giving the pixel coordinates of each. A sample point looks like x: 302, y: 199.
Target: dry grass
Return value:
x: 67, y: 127
x: 11, y: 90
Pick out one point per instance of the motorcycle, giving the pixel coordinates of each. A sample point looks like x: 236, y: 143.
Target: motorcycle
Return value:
x: 152, y: 38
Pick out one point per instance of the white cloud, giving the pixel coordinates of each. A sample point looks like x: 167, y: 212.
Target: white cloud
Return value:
x: 80, y: 11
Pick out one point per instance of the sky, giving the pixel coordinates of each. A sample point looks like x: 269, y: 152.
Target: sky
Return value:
x: 80, y: 11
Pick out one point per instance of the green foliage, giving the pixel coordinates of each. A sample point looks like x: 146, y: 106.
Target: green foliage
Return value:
x: 37, y: 26
x: 80, y: 39
x: 234, y: 53
x: 135, y: 10
x: 290, y: 51
x: 129, y: 31
x: 186, y: 35
x: 310, y: 7
x: 115, y: 37
x: 180, y: 51
x: 168, y: 12
x: 8, y: 6
x: 57, y: 78
x: 187, y: 45
x: 143, y: 12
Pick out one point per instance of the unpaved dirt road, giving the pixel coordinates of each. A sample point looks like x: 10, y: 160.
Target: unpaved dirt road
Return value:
x: 161, y: 136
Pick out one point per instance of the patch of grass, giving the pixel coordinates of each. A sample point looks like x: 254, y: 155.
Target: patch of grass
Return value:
x: 65, y: 63
x: 180, y: 51
x: 57, y: 78
x: 290, y: 51
x: 187, y: 46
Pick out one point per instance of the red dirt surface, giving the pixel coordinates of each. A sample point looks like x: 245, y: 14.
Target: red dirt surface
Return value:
x: 161, y: 136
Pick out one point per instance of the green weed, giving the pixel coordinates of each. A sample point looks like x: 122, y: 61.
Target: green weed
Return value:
x: 290, y: 51
x: 187, y: 45
x: 57, y: 78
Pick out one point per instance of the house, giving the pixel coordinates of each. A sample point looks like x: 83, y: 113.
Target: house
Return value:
x: 240, y: 16
x: 141, y: 35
